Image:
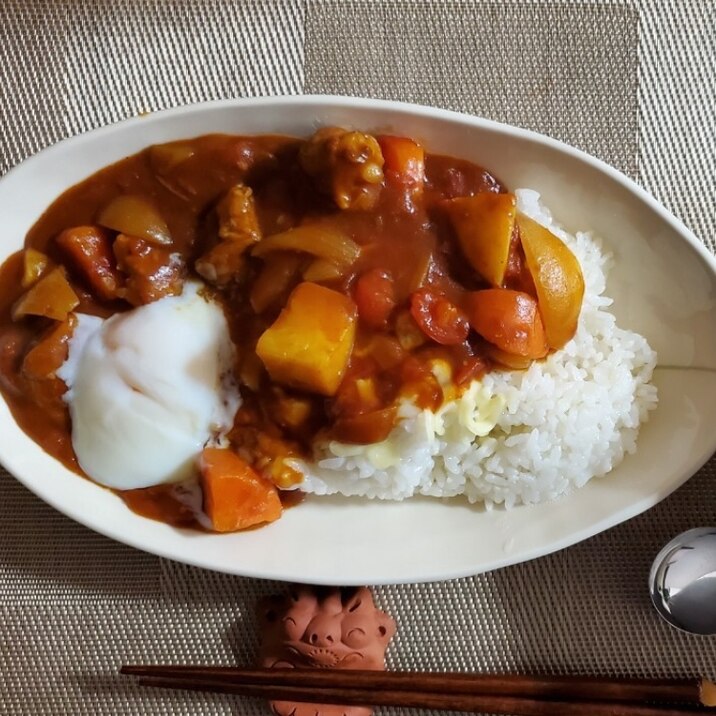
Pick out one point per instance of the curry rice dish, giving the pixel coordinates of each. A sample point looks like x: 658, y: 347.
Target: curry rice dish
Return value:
x: 213, y: 326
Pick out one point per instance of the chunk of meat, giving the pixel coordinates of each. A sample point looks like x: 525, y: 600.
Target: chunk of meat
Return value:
x: 348, y: 166
x: 89, y: 252
x: 238, y: 229
x: 50, y: 352
x: 237, y: 217
x: 52, y: 297
x: 40, y: 365
x: 152, y: 272
x: 235, y: 496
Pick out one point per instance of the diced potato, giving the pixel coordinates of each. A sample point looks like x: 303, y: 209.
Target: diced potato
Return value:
x: 557, y: 277
x: 152, y: 272
x: 310, y: 343
x: 291, y: 411
x: 34, y: 263
x: 50, y: 352
x: 51, y: 297
x: 483, y: 224
x: 135, y: 216
x: 235, y: 496
x: 89, y: 249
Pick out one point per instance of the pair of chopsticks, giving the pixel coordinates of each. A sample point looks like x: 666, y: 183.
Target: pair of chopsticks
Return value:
x: 507, y: 694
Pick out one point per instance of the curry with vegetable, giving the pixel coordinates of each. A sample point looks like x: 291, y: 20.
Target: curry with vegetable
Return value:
x: 355, y: 272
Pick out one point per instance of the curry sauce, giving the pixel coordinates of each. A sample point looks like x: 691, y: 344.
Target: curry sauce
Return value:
x: 371, y: 237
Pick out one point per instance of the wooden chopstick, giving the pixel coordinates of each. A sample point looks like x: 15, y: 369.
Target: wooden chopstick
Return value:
x: 486, y: 692
x: 505, y: 705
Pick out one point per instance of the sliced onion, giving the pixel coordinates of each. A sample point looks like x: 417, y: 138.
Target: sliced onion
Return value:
x: 324, y: 242
x: 322, y: 270
x: 165, y: 157
x: 135, y: 216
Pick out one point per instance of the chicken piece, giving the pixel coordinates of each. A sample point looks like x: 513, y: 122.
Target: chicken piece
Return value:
x: 89, y: 252
x: 50, y: 352
x: 238, y: 229
x: 346, y: 165
x: 152, y: 272
x: 40, y: 365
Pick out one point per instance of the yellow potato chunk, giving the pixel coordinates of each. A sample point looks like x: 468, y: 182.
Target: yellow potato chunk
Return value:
x: 483, y: 224
x: 308, y: 346
x: 52, y: 297
x: 34, y: 263
x: 558, y: 279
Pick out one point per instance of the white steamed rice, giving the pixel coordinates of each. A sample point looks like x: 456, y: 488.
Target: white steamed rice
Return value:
x: 520, y: 436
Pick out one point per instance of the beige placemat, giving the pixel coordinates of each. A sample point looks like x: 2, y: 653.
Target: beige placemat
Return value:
x: 632, y: 82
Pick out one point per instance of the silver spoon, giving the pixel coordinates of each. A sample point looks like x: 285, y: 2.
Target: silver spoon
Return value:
x: 682, y: 581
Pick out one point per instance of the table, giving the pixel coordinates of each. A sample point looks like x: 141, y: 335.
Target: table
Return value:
x: 631, y: 81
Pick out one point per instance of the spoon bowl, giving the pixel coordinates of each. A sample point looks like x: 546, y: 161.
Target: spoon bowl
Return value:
x: 682, y: 581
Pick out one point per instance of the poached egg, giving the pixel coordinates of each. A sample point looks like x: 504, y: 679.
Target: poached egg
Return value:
x: 149, y: 388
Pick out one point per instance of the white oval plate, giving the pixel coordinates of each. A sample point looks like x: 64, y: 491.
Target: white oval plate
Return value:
x: 664, y: 286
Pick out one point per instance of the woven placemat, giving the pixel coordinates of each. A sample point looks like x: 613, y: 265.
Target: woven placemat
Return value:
x: 631, y: 82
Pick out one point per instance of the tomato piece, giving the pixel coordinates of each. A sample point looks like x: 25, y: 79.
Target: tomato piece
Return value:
x: 508, y: 319
x: 471, y: 368
x: 439, y: 318
x: 404, y: 160
x: 374, y: 295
